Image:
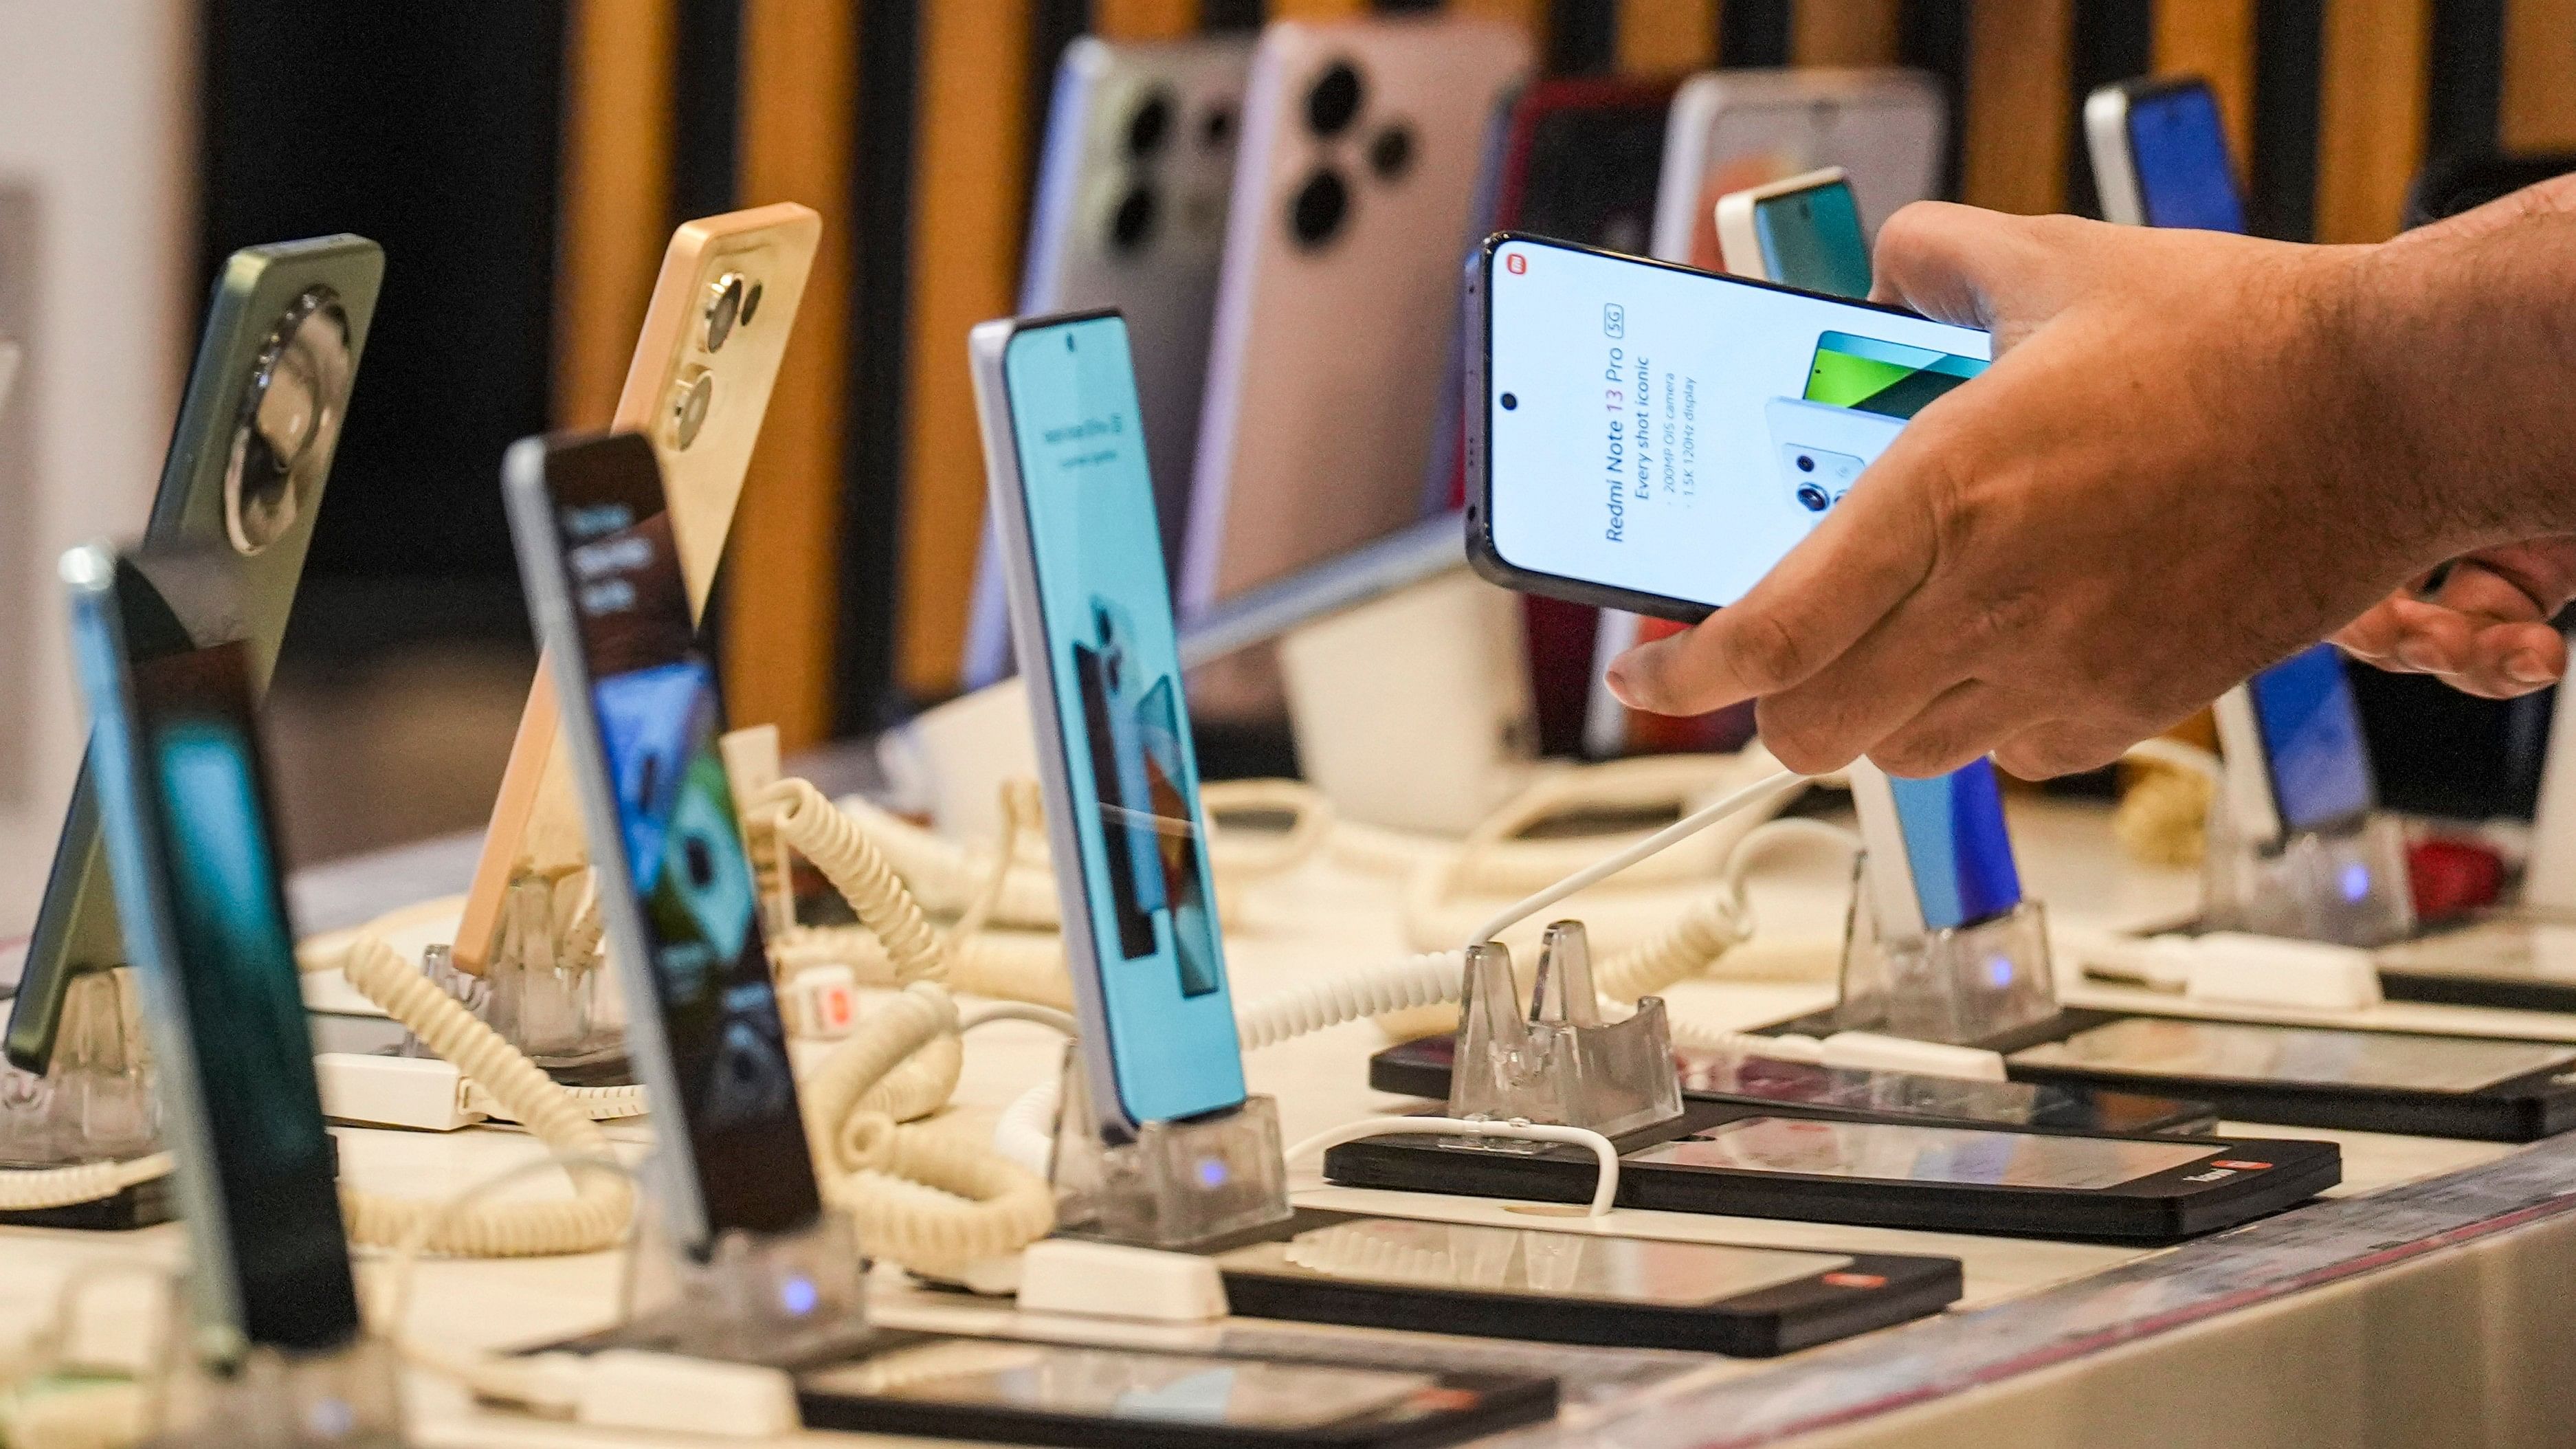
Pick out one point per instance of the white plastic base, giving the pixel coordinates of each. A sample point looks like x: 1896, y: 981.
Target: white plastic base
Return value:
x: 1115, y: 1280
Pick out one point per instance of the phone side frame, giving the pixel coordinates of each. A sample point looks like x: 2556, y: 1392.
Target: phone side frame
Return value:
x: 2115, y: 166
x: 988, y: 346
x: 530, y: 505
x: 144, y: 914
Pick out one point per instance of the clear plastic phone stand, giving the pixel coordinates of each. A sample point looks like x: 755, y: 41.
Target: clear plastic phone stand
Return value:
x: 1178, y: 1183
x: 784, y: 1299
x: 341, y: 1398
x: 96, y: 1102
x: 1561, y: 1064
x: 556, y: 1005
x: 1962, y: 984
x: 2347, y: 886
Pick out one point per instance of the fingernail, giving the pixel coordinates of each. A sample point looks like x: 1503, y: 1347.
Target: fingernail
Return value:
x: 2416, y: 654
x: 1619, y: 680
x: 2526, y: 667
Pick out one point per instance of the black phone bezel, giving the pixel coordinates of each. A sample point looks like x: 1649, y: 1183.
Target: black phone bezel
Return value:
x: 1482, y: 554
x: 2161, y: 1207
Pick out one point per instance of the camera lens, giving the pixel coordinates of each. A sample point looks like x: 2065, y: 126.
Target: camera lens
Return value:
x: 1317, y: 213
x: 702, y: 862
x: 1216, y: 128
x: 724, y: 308
x: 1510, y: 402
x: 1147, y: 128
x: 1334, y: 101
x: 690, y: 400
x: 750, y: 306
x: 1814, y: 498
x: 289, y: 421
x: 1390, y: 152
x: 1806, y: 464
x: 1133, y: 225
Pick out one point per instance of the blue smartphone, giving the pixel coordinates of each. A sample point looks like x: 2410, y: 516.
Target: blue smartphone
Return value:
x: 593, y: 531
x: 1091, y: 621
x: 1940, y: 856
x: 183, y: 808
x: 2159, y: 151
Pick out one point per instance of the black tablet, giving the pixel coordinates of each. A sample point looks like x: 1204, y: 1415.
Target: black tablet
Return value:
x: 1571, y: 1287
x: 2505, y: 961
x: 1420, y: 1068
x: 1049, y: 1393
x: 2425, y: 1085
x: 1751, y: 1161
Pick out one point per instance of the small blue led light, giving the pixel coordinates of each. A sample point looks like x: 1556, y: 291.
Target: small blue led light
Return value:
x: 1212, y: 1173
x: 2356, y: 881
x: 798, y: 1296
x: 1999, y: 972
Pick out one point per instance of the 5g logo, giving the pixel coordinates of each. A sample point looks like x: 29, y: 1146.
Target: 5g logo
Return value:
x: 1614, y: 320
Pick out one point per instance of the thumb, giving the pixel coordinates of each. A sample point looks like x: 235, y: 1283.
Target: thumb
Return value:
x: 1987, y: 269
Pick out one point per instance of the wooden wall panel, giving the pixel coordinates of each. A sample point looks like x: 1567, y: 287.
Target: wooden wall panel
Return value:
x: 2539, y: 111
x: 616, y: 197
x: 2213, y: 39
x: 1317, y: 9
x: 1663, y: 36
x: 2017, y: 105
x: 2370, y: 115
x: 1144, y: 19
x: 969, y: 205
x: 1844, y: 32
x: 799, y: 73
x: 1529, y: 15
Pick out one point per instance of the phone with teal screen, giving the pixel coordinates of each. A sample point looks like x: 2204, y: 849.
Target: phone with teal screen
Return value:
x: 1091, y: 621
x: 1803, y: 232
x: 183, y: 809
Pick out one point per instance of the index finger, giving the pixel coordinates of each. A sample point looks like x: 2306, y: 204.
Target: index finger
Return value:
x: 1873, y: 550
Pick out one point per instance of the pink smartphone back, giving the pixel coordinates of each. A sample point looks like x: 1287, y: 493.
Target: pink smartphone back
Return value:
x: 1346, y: 233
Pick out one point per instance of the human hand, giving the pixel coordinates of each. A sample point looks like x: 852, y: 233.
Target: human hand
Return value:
x: 2171, y: 476
x: 2485, y: 630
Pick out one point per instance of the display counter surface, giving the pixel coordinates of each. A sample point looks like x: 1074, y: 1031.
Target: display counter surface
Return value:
x: 2422, y: 1302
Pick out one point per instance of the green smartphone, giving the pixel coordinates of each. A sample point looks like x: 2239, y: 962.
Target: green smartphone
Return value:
x: 244, y: 474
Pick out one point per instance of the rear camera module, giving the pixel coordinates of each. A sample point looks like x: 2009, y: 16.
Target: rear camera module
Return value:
x: 690, y: 398
x: 1315, y: 216
x: 1148, y: 128
x: 726, y: 309
x: 750, y: 306
x: 1335, y: 100
x: 1131, y: 227
x: 289, y: 422
x: 1815, y: 498
x: 1390, y: 152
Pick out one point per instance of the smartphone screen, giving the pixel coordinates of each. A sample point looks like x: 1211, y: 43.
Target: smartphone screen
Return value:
x: 714, y: 1043
x: 1904, y: 1152
x: 1667, y: 435
x: 1956, y: 846
x: 1095, y: 569
x: 1126, y: 1384
x: 2178, y: 150
x: 2240, y: 1051
x: 2312, y: 740
x: 1812, y: 240
x: 1525, y: 1263
x: 184, y: 809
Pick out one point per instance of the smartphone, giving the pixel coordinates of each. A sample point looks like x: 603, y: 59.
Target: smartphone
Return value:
x: 169, y: 670
x: 1091, y: 620
x: 1075, y: 1394
x: 2159, y: 152
x: 1940, y: 857
x: 2449, y: 185
x: 697, y: 389
x: 248, y: 459
x: 1578, y: 1287
x: 1574, y: 158
x: 1655, y: 385
x: 1802, y: 232
x: 1348, y: 219
x: 1132, y: 187
x: 600, y: 555
x: 2296, y: 760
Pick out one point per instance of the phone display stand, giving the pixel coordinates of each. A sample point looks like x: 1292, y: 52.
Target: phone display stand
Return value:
x: 95, y: 1104
x: 344, y: 1398
x: 1959, y: 984
x: 559, y: 1008
x: 769, y: 1298
x: 1561, y: 1065
x: 2348, y: 886
x: 1178, y: 1183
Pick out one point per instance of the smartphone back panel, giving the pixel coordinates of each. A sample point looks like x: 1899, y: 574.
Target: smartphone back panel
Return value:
x: 248, y: 458
x: 1348, y: 223
x: 1132, y: 190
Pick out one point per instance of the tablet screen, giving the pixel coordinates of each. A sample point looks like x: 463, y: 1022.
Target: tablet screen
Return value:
x: 1115, y: 1383
x: 2241, y: 1051
x: 1906, y: 1153
x: 1524, y: 1262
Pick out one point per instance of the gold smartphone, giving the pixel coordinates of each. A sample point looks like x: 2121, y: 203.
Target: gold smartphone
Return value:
x: 698, y: 388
